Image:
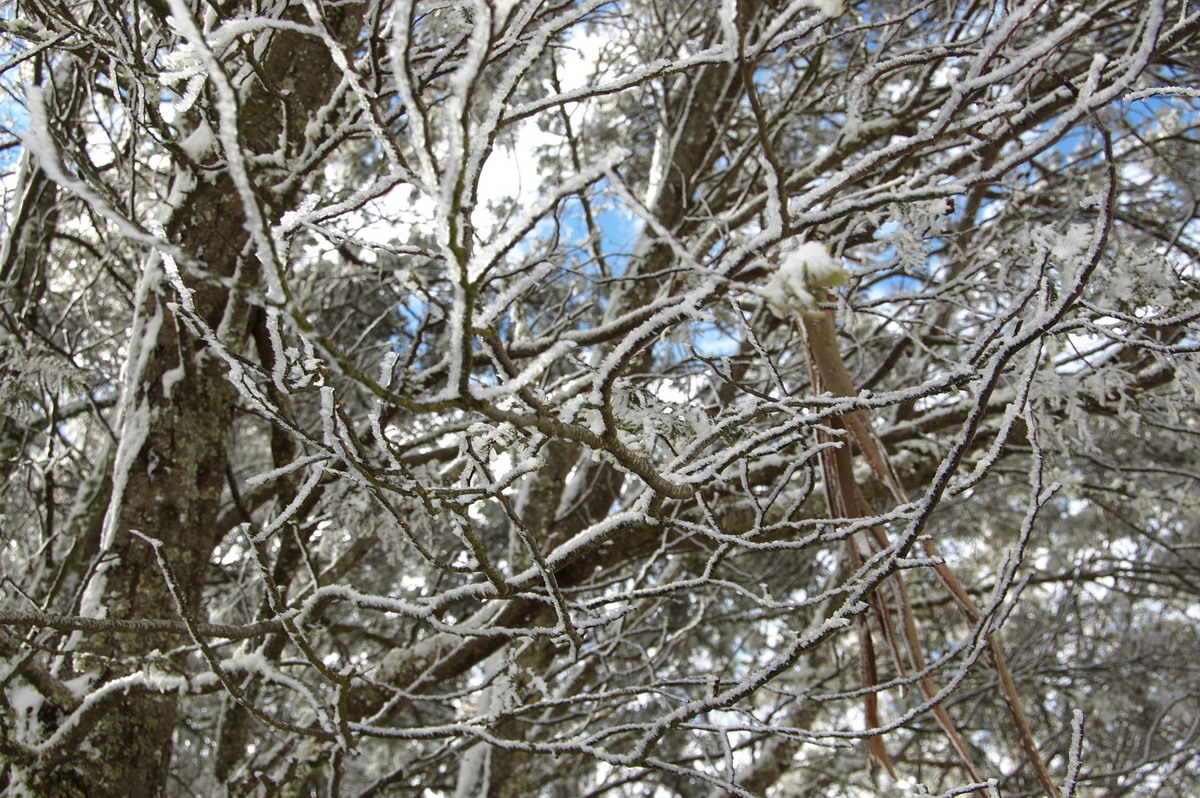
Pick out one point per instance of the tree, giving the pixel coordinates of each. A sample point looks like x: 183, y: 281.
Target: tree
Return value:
x: 648, y: 398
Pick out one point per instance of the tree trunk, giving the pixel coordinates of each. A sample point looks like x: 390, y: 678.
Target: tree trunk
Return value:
x: 173, y: 455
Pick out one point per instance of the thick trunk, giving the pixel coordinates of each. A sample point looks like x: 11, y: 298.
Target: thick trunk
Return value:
x: 173, y: 484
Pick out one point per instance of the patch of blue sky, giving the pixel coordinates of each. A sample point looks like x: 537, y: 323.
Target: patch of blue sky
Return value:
x: 12, y: 122
x: 14, y: 118
x: 897, y: 279
x: 712, y: 340
x: 1081, y: 143
x: 616, y: 232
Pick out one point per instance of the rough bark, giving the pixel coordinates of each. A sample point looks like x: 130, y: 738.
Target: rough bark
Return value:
x: 176, y: 480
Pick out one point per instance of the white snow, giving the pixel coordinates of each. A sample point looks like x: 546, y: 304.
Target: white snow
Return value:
x: 527, y: 375
x: 200, y: 143
x: 794, y: 287
x: 830, y: 8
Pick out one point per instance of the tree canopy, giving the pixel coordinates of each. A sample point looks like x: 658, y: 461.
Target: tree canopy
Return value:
x: 517, y: 398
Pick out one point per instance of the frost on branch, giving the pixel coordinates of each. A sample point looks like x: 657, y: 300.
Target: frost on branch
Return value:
x: 486, y: 431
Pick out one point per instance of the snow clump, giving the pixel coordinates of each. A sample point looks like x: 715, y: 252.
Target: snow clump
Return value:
x: 804, y: 275
x: 830, y: 8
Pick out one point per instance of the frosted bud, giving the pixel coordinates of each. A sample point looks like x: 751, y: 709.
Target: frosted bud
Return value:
x: 804, y: 274
x: 830, y: 8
